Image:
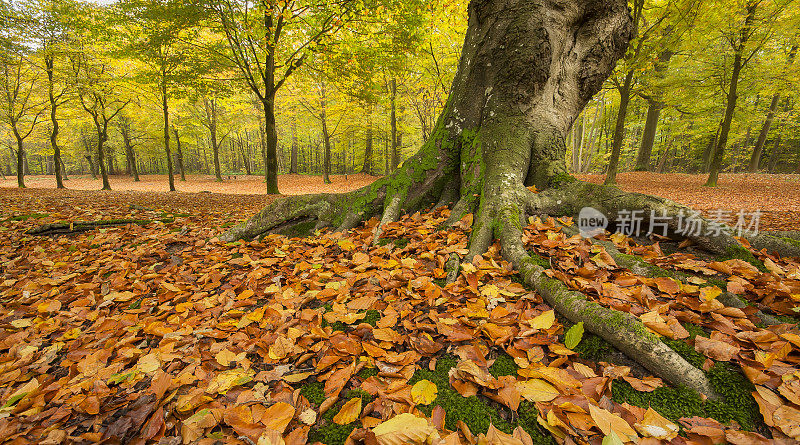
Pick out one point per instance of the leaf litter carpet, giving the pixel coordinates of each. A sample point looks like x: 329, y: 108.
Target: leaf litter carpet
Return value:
x: 160, y: 333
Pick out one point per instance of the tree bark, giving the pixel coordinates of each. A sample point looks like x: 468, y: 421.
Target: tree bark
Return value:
x: 732, y: 96
x: 49, y: 63
x: 395, y: 142
x: 649, y: 135
x: 125, y: 130
x: 179, y: 157
x: 619, y: 129
x: 102, y: 136
x: 165, y: 110
x: 326, y: 138
x: 367, y: 166
x: 755, y: 158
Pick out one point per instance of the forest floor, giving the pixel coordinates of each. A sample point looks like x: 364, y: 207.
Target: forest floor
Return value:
x: 158, y: 332
x: 196, y: 183
x: 777, y: 197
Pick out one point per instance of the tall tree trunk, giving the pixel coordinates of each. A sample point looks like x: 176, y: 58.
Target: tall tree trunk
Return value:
x: 619, y: 129
x: 179, y: 158
x: 649, y: 135
x: 295, y: 146
x: 22, y: 166
x: 730, y: 107
x: 326, y: 162
x: 395, y: 142
x: 165, y: 110
x: 244, y: 147
x: 263, y: 140
x: 272, y: 142
x: 755, y: 159
x: 367, y: 166
x: 125, y: 129
x: 49, y: 63
x: 775, y: 155
x: 102, y: 136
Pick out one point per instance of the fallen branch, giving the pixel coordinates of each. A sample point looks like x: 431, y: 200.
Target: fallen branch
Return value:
x: 81, y: 226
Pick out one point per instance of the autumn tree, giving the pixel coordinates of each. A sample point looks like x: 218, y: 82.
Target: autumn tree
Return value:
x: 19, y: 82
x: 526, y: 72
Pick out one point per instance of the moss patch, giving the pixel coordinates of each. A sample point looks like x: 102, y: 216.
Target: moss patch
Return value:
x: 503, y: 365
x: 594, y: 348
x: 476, y: 412
x: 314, y: 392
x: 740, y: 253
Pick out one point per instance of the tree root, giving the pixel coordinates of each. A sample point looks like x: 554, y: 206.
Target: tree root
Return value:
x: 626, y: 332
x: 645, y: 269
x: 390, y: 214
x: 81, y: 226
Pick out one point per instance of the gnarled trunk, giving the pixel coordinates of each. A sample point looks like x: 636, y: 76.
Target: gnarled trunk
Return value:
x: 527, y: 69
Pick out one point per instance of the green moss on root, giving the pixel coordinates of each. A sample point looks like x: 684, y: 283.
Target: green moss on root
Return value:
x: 740, y: 253
x: 594, y: 348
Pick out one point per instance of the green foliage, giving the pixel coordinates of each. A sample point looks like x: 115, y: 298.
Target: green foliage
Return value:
x: 574, y: 335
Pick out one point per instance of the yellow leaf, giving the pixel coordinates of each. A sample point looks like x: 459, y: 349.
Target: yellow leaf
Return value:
x: 349, y: 413
x: 405, y: 428
x: 544, y: 320
x: 608, y: 422
x: 424, y: 392
x: 709, y: 293
x: 225, y: 357
x: 148, y: 363
x: 278, y: 416
x: 656, y: 426
x: 536, y: 390
x: 224, y: 381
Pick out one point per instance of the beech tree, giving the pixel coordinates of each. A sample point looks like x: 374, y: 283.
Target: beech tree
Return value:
x: 526, y: 71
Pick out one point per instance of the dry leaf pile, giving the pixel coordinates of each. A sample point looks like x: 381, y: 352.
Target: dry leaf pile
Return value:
x: 162, y: 334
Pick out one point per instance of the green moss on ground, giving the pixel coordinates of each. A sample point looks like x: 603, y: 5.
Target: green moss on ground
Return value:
x: 478, y: 413
x: 314, y: 392
x: 371, y: 319
x: 503, y: 365
x: 593, y: 347
x: 561, y: 180
x: 676, y: 402
x: 329, y: 432
x: 26, y: 217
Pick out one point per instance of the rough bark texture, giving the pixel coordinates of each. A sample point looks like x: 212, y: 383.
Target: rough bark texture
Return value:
x: 526, y: 71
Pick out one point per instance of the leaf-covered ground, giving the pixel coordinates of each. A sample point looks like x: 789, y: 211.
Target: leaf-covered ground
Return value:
x: 159, y: 333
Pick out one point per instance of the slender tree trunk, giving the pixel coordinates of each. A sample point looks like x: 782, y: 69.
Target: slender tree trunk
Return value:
x: 263, y: 140
x: 49, y: 67
x: 367, y: 167
x: 395, y: 142
x: 244, y: 147
x: 102, y: 136
x: 22, y: 166
x: 272, y: 142
x: 130, y: 154
x: 165, y: 110
x: 775, y: 154
x: 619, y: 129
x: 326, y: 162
x: 730, y: 107
x: 179, y: 153
x: 293, y: 160
x: 649, y: 135
x: 755, y: 159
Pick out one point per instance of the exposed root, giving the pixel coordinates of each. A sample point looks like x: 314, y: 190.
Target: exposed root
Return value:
x: 390, y: 214
x: 452, y: 267
x: 623, y: 330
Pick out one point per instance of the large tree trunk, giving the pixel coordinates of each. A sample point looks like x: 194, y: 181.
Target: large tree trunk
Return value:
x: 503, y: 130
x: 165, y: 110
x: 272, y: 143
x: 648, y: 136
x: 730, y: 106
